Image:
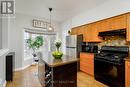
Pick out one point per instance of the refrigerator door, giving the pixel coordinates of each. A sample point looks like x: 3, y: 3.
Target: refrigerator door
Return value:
x: 71, y: 41
x: 71, y: 52
x: 79, y: 45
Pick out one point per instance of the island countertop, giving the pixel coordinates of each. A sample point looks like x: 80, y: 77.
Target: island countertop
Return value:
x: 52, y: 62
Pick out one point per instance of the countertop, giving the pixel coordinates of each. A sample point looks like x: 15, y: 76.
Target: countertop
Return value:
x: 52, y: 62
x: 127, y: 58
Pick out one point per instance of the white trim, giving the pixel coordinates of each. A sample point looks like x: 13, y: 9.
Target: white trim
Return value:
x: 4, y: 51
x: 22, y: 68
x: 4, y: 85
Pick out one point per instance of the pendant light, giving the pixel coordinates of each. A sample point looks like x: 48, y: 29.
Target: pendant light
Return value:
x: 50, y: 27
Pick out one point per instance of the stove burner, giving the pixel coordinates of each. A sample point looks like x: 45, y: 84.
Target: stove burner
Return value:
x: 110, y: 54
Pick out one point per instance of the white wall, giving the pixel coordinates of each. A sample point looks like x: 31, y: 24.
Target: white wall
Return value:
x: 4, y: 51
x: 106, y: 10
x: 5, y: 30
x: 3, y: 54
x: 16, y: 36
x: 0, y: 33
x: 2, y: 70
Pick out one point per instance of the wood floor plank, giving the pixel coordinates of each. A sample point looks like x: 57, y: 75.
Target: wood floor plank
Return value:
x: 26, y: 78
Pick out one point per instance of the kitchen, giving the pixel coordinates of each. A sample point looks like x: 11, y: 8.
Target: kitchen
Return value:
x: 105, y: 49
x: 102, y: 48
x: 94, y: 36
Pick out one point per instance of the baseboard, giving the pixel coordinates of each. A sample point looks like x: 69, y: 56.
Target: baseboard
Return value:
x: 22, y: 68
x: 4, y: 85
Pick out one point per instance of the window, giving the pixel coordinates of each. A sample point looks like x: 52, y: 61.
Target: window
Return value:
x: 27, y: 51
x: 48, y: 43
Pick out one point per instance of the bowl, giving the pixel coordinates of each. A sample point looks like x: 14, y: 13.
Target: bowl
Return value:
x: 57, y: 55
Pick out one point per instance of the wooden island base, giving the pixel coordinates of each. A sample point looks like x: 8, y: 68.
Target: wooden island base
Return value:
x: 58, y: 73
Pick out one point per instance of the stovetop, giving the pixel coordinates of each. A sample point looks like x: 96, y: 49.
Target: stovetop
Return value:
x: 112, y: 54
x: 115, y: 58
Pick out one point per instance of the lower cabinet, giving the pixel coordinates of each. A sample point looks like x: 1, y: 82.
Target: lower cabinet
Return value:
x: 127, y: 73
x: 87, y: 63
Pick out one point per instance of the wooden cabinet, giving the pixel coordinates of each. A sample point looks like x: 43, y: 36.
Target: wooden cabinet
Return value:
x: 94, y: 33
x: 77, y: 30
x: 87, y: 63
x: 90, y: 31
x: 80, y: 30
x: 57, y: 74
x: 114, y: 23
x: 103, y: 25
x: 87, y: 33
x: 118, y: 22
x: 128, y: 28
x: 74, y: 31
x: 127, y: 74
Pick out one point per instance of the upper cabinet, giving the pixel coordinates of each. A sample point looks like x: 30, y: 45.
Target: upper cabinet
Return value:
x: 90, y: 31
x: 103, y: 25
x: 74, y: 31
x: 128, y: 28
x: 87, y: 33
x: 114, y: 23
x: 118, y: 22
x: 94, y: 33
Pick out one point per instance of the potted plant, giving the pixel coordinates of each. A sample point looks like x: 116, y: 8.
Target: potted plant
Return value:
x: 57, y: 54
x: 35, y: 44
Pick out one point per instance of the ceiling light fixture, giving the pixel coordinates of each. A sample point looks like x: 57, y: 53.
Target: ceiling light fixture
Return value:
x: 50, y: 27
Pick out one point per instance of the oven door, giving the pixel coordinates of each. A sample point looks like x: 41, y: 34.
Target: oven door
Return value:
x: 109, y: 74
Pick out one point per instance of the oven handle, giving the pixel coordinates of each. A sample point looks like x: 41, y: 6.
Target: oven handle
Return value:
x: 95, y: 59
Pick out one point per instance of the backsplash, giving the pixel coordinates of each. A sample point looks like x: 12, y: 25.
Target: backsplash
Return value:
x: 114, y: 41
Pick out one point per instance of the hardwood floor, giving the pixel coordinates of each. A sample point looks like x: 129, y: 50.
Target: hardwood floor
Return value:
x: 85, y: 80
x: 26, y: 78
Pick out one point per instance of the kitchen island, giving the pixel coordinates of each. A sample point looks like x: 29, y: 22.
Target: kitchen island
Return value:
x: 57, y: 72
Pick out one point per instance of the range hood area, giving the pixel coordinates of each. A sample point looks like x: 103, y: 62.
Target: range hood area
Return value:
x: 121, y: 32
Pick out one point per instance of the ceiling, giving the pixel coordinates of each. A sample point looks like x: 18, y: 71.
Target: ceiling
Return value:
x: 62, y: 9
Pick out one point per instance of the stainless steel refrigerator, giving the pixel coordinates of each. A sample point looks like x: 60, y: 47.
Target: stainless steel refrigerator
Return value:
x: 74, y: 45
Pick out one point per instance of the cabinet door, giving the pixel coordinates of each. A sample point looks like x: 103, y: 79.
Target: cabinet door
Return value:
x: 128, y: 28
x: 103, y: 25
x: 87, y: 33
x: 94, y: 33
x: 118, y: 22
x: 127, y: 74
x: 81, y: 30
x: 87, y: 63
x: 74, y: 31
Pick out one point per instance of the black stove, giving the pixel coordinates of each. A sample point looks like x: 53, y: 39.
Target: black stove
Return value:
x: 112, y: 54
x: 109, y: 65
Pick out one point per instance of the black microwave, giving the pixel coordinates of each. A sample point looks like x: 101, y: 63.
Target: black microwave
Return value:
x: 90, y: 48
